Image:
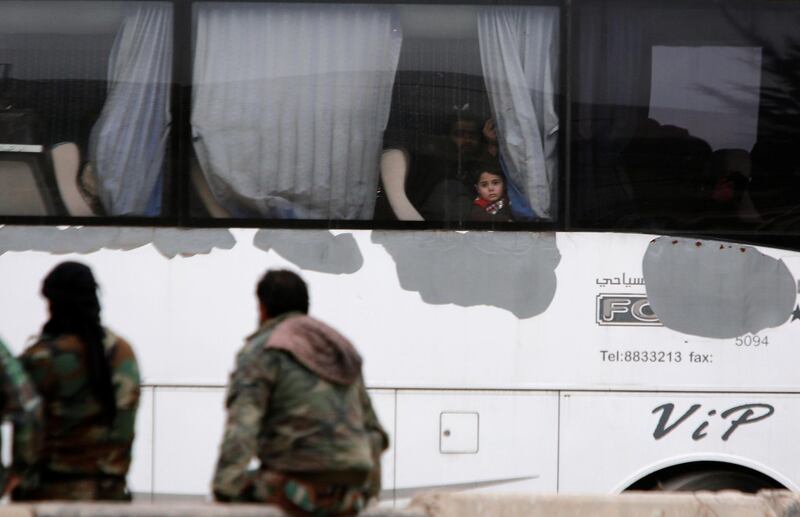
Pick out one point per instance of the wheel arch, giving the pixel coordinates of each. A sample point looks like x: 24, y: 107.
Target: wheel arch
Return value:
x: 696, y: 463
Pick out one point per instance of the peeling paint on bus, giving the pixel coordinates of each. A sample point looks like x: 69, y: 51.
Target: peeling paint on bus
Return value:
x: 716, y: 290
x: 170, y: 242
x: 514, y: 271
x: 313, y: 250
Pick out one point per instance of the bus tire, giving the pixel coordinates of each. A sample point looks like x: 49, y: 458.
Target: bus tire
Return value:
x: 715, y: 480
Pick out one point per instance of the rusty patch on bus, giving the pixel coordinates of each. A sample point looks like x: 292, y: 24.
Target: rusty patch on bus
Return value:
x: 170, y: 242
x: 313, y: 250
x: 514, y: 271
x: 716, y: 291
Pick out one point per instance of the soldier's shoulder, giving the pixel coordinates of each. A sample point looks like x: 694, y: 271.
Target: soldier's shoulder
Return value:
x: 251, y: 349
x: 4, y: 351
x: 256, y: 344
x: 41, y: 348
x: 256, y: 360
x: 46, y: 345
x: 122, y: 348
x: 12, y: 369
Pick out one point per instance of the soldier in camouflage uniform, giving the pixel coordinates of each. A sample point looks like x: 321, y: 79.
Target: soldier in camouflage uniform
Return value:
x: 297, y: 401
x: 20, y: 403
x: 89, y: 383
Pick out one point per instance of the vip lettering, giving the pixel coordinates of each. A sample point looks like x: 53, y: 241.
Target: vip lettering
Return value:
x: 736, y: 417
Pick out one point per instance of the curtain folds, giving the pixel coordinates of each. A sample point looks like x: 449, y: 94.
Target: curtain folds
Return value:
x: 290, y: 102
x: 519, y: 56
x: 129, y: 140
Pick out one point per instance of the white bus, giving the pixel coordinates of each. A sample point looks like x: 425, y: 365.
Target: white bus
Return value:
x: 623, y: 316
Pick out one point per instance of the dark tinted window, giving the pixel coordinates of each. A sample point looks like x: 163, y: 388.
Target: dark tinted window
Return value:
x: 686, y: 115
x: 362, y: 112
x: 84, y: 107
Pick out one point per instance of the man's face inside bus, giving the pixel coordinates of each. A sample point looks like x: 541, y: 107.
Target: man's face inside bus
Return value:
x: 732, y: 172
x: 466, y: 136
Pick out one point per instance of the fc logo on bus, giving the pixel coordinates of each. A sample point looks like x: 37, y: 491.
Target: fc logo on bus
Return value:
x: 625, y: 310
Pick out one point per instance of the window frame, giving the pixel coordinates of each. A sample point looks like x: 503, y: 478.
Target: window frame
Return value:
x: 177, y: 181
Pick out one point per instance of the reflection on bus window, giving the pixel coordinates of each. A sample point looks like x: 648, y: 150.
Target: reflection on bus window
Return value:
x: 687, y: 115
x: 84, y: 107
x: 359, y: 112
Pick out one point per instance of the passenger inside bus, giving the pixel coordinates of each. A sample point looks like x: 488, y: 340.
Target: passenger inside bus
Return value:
x: 674, y: 179
x: 491, y: 203
x: 663, y: 167
x: 729, y: 199
x: 439, y: 103
x: 437, y: 182
x: 440, y: 181
x: 775, y: 183
x: 729, y: 81
x: 301, y: 135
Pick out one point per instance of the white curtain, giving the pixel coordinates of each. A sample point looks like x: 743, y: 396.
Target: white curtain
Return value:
x: 290, y: 102
x: 128, y: 142
x: 519, y: 56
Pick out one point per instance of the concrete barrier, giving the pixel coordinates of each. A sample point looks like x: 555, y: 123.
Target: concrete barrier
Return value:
x: 144, y: 509
x: 65, y: 509
x: 632, y: 504
x: 469, y: 504
x: 16, y: 511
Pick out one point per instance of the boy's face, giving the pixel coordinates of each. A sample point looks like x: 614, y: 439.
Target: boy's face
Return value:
x: 490, y: 186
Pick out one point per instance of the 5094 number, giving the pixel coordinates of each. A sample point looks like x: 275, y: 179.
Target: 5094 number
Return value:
x: 752, y: 340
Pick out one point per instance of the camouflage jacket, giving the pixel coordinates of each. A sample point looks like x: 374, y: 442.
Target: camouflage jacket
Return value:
x: 76, y: 439
x: 294, y: 420
x: 20, y: 404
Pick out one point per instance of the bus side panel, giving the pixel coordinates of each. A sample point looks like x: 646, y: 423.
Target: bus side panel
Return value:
x: 178, y: 435
x: 187, y: 316
x: 189, y: 423
x: 491, y: 441
x: 140, y: 475
x: 610, y: 440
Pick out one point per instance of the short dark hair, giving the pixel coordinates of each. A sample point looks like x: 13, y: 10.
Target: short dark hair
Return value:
x: 485, y: 165
x: 281, y: 290
x: 466, y: 116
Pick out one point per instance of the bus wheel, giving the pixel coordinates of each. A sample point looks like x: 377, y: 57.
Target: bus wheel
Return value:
x: 715, y: 480
x: 706, y: 475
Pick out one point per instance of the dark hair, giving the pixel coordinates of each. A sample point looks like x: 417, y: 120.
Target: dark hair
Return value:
x: 453, y: 119
x: 281, y: 291
x: 492, y: 167
x: 74, y: 309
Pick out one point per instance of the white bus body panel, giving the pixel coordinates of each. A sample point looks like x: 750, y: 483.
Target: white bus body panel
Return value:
x: 187, y: 317
x: 476, y: 440
x: 506, y: 360
x: 610, y: 440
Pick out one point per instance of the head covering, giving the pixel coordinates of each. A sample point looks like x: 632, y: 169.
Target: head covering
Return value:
x: 74, y: 309
x: 319, y: 348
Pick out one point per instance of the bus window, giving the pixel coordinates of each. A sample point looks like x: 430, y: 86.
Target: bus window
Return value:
x: 686, y: 115
x: 84, y: 107
x: 362, y: 112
